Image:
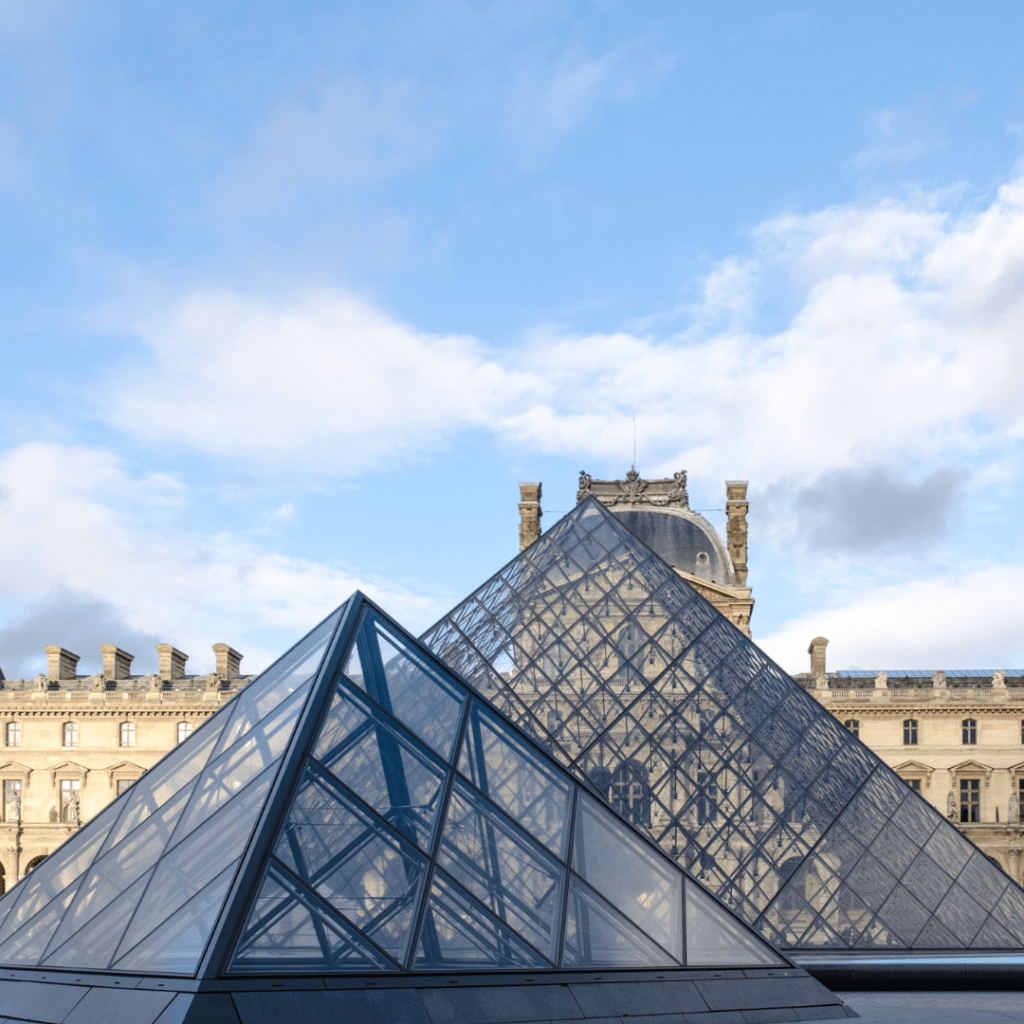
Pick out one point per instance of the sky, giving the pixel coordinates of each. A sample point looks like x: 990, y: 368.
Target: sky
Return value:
x: 292, y: 296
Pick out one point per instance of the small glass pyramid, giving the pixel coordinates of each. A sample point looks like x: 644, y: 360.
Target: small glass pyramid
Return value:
x: 600, y: 652
x: 358, y: 809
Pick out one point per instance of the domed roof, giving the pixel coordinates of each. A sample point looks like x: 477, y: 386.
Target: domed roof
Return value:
x: 684, y: 539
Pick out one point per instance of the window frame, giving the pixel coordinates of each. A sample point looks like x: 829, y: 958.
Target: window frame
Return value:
x: 126, y: 734
x: 910, y: 732
x: 187, y: 727
x: 69, y: 730
x: 852, y: 725
x: 13, y: 727
x: 969, y: 732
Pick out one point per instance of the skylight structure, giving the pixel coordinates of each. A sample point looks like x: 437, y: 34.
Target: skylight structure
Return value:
x: 593, y: 646
x: 359, y: 817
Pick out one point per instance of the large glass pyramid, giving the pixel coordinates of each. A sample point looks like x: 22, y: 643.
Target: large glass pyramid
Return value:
x: 596, y: 648
x: 359, y: 810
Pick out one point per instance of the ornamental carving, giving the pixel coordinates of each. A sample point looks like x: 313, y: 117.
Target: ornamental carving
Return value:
x: 634, y: 490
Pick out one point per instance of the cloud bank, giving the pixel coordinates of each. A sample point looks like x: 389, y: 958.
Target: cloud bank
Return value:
x: 902, y: 347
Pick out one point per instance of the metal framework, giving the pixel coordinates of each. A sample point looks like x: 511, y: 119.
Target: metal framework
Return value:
x: 593, y: 646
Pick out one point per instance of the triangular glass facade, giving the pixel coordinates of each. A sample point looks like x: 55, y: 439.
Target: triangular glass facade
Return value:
x: 357, y: 809
x: 598, y: 650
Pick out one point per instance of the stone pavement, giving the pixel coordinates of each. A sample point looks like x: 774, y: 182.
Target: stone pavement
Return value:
x: 936, y: 1007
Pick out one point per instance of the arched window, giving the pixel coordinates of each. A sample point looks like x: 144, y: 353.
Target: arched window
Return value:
x: 910, y: 732
x: 69, y: 734
x: 630, y: 794
x: 853, y: 725
x: 34, y: 863
x: 12, y: 734
x: 184, y: 731
x: 127, y: 737
x: 970, y: 732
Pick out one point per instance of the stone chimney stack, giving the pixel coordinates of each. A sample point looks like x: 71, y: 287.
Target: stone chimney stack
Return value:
x: 529, y: 514
x: 117, y: 664
x: 736, y: 507
x: 817, y: 653
x: 228, y: 661
x: 172, y: 662
x: 60, y: 664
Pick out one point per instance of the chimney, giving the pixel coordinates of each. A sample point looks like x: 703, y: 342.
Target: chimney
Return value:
x: 60, y: 664
x: 529, y: 514
x: 172, y: 662
x: 117, y: 664
x: 736, y: 507
x: 228, y: 661
x: 817, y: 653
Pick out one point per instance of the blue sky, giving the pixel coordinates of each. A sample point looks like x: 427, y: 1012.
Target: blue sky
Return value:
x: 295, y: 294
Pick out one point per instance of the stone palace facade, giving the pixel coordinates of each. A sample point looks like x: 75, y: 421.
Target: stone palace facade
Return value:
x: 72, y: 743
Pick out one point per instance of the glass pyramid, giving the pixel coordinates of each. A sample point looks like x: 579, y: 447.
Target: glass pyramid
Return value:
x: 599, y: 651
x: 358, y: 809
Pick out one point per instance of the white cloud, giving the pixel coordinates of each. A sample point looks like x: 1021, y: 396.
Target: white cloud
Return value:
x: 75, y: 521
x: 904, y: 345
x: 971, y: 620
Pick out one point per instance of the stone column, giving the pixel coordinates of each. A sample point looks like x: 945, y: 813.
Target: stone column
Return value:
x: 736, y: 506
x: 529, y: 514
x: 117, y: 664
x: 172, y: 662
x: 60, y: 664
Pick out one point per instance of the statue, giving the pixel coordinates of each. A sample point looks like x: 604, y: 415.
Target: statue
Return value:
x: 17, y: 805
x: 584, y: 489
x: 951, y: 806
x: 74, y: 809
x: 1014, y: 814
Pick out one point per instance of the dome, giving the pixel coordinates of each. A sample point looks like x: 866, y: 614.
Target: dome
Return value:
x: 683, y: 539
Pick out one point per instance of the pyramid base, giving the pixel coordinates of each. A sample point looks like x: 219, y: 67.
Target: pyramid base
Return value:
x: 899, y: 971
x: 644, y: 997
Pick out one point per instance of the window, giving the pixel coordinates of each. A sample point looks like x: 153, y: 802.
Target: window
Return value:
x: 127, y: 734
x: 12, y: 800
x: 970, y: 732
x: 910, y: 732
x: 853, y: 725
x: 1020, y: 799
x: 630, y: 795
x: 70, y: 810
x: 970, y: 800
x: 70, y: 734
x: 123, y: 785
x: 915, y: 785
x: 12, y: 734
x: 184, y: 731
x: 1022, y: 731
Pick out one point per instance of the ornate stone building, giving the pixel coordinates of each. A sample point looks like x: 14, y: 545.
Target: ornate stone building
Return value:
x: 659, y: 513
x: 72, y: 743
x: 957, y: 738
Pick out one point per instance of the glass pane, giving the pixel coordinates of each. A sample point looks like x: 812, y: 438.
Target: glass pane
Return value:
x: 417, y: 695
x: 126, y: 862
x: 457, y: 933
x: 26, y: 946
x: 367, y: 874
x: 288, y: 674
x: 288, y: 931
x: 597, y: 935
x: 168, y: 778
x: 382, y: 766
x: 518, y: 882
x: 54, y: 876
x: 530, y: 790
x: 354, y: 667
x: 93, y: 947
x: 715, y: 939
x: 177, y: 946
x: 261, y: 747
x: 632, y: 877
x: 195, y: 862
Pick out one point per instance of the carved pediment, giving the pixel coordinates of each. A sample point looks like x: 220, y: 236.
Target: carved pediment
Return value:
x: 971, y: 768
x: 68, y: 768
x: 127, y: 769
x: 712, y: 591
x: 913, y: 768
x: 15, y: 768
